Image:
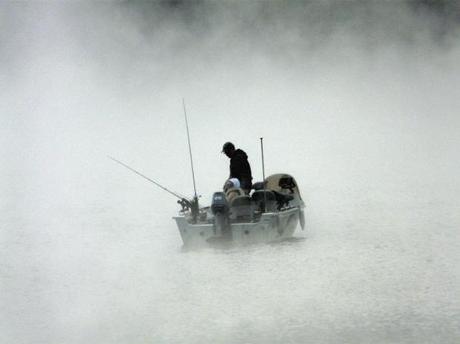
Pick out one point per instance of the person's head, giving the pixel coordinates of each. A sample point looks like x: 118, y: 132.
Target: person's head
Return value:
x: 228, y: 149
x: 231, y: 183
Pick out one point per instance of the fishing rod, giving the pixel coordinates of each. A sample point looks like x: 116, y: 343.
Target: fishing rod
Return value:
x: 194, y: 206
x: 183, y: 201
x: 189, y: 148
x: 182, y: 198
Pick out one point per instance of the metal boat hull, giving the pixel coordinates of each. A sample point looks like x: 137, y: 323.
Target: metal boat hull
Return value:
x: 271, y: 226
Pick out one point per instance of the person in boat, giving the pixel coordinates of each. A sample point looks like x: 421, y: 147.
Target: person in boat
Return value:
x: 232, y: 189
x: 239, y: 166
x: 231, y: 183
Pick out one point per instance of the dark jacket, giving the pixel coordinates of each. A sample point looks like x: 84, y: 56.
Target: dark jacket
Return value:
x: 240, y: 168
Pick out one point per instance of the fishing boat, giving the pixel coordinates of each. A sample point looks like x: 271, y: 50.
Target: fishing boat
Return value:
x: 271, y: 212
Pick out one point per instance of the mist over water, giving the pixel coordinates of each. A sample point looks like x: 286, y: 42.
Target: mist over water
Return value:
x: 357, y: 100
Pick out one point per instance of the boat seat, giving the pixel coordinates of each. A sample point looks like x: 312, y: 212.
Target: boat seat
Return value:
x: 259, y: 198
x: 282, y: 199
x: 232, y: 193
x: 241, y: 201
x: 241, y: 208
x: 258, y: 186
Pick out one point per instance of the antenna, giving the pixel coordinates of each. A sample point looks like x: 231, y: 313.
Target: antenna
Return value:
x: 263, y: 172
x: 189, y: 149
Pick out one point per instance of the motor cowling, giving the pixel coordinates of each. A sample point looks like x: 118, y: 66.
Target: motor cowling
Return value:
x: 219, y: 204
x: 220, y: 208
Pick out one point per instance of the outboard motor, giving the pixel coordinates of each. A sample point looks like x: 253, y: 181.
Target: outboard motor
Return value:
x: 220, y: 210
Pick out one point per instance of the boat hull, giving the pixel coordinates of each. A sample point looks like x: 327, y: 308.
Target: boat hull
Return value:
x: 271, y: 226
